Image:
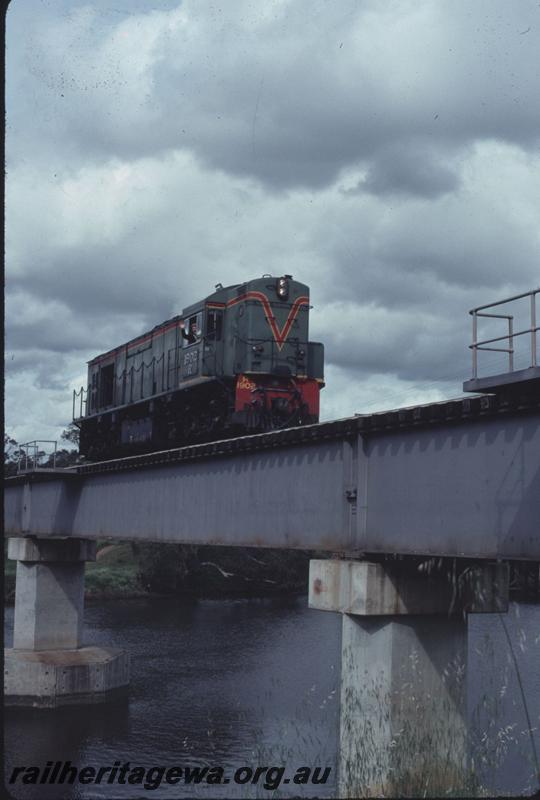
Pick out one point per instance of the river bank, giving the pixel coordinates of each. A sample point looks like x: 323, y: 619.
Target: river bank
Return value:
x: 114, y: 574
x: 129, y: 570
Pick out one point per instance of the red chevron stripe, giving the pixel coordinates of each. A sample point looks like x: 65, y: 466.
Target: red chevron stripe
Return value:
x: 279, y: 335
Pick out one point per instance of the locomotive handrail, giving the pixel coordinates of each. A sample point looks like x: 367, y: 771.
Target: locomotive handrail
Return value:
x: 83, y: 395
x: 166, y: 384
x: 508, y: 337
x: 121, y: 378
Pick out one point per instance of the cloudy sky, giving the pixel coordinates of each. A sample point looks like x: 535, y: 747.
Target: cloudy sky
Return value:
x: 385, y: 153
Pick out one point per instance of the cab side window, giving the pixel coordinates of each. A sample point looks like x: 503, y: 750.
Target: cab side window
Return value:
x: 214, y: 324
x: 192, y: 330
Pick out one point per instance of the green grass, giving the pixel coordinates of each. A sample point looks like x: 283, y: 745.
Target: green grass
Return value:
x: 115, y: 573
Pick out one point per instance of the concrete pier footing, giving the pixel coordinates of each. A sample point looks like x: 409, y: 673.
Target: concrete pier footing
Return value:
x: 48, y: 666
x: 403, y: 722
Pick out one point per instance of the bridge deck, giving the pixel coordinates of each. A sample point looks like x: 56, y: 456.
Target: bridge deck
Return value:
x: 459, y: 478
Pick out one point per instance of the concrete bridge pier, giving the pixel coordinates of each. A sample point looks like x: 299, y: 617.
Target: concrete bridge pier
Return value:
x: 403, y: 724
x: 48, y: 665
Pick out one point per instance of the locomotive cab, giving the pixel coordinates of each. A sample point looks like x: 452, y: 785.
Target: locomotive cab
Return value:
x: 203, y: 354
x: 192, y: 339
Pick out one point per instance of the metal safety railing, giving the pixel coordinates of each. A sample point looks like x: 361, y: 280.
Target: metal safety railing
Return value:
x: 129, y: 385
x: 507, y: 337
x: 32, y: 455
x: 80, y: 396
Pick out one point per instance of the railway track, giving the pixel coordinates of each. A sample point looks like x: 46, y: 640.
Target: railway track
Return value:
x: 442, y: 412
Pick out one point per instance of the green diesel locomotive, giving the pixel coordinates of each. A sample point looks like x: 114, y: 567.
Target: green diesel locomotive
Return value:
x: 239, y: 361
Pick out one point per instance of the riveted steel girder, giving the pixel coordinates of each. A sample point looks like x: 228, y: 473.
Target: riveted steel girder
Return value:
x: 458, y: 486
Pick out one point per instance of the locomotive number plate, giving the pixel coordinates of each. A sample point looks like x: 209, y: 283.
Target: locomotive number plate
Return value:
x: 191, y: 363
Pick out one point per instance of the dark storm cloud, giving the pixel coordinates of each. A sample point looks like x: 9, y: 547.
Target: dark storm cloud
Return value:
x: 338, y: 85
x: 409, y: 353
x: 293, y: 93
x: 367, y: 339
x: 51, y: 337
x: 105, y: 279
x: 461, y: 250
x: 451, y: 252
x: 413, y: 170
x: 67, y: 331
x: 39, y: 366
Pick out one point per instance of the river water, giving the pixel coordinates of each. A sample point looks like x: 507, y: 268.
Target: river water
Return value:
x: 253, y: 683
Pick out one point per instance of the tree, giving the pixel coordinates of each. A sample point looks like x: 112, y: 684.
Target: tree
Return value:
x: 10, y: 447
x: 12, y: 452
x: 71, y: 434
x: 65, y: 458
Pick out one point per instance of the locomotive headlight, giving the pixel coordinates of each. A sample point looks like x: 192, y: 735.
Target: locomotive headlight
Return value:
x: 282, y: 288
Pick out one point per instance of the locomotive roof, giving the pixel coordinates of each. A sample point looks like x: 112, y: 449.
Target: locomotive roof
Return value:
x: 166, y: 323
x: 221, y: 295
